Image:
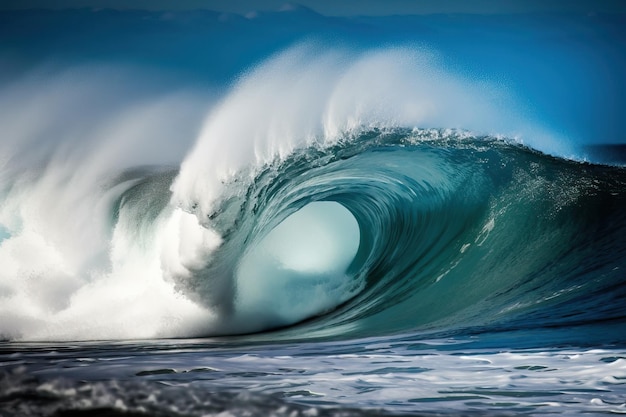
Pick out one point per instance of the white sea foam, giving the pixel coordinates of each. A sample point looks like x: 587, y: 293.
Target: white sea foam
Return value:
x: 66, y: 274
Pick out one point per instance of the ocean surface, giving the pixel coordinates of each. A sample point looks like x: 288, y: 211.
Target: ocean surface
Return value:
x: 309, y: 230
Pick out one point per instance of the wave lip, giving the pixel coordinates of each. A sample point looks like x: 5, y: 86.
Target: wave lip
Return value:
x: 310, y: 96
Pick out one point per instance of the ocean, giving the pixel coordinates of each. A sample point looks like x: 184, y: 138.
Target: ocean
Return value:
x: 291, y: 227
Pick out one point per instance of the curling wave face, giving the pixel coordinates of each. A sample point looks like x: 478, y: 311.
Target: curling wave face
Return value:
x: 455, y: 232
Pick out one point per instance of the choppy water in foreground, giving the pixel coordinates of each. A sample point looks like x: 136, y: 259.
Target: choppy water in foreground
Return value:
x: 377, y: 376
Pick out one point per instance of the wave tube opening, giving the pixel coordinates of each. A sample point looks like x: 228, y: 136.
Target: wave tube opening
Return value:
x: 299, y: 269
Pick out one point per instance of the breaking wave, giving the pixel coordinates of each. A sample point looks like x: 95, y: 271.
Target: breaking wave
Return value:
x: 322, y: 197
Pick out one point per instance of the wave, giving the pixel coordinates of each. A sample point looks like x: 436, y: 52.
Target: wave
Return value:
x: 319, y: 199
x: 429, y: 230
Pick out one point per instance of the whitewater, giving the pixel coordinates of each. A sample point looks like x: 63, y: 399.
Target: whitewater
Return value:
x: 339, y: 231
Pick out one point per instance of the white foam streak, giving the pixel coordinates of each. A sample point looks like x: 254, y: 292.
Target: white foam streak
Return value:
x: 65, y: 274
